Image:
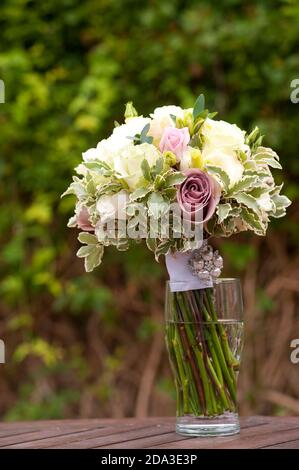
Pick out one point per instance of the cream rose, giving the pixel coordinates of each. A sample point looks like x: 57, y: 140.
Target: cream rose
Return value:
x: 224, y: 135
x: 226, y: 160
x: 161, y: 119
x: 127, y: 163
x: 222, y: 140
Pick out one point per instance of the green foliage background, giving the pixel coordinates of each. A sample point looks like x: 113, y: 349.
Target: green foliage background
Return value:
x: 76, y: 344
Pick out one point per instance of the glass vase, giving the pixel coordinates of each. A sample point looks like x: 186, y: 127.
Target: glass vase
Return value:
x: 204, y: 336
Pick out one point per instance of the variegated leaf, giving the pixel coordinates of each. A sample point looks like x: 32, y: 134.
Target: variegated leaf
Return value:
x: 223, y: 211
x: 220, y: 175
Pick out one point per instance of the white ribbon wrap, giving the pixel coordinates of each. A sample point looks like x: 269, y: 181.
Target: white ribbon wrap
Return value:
x: 181, y: 277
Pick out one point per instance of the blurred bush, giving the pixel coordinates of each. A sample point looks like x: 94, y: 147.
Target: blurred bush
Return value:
x: 92, y: 345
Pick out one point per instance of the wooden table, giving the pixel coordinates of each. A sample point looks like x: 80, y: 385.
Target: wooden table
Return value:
x: 151, y: 433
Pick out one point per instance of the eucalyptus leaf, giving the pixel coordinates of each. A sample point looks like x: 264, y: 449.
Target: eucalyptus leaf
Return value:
x: 199, y: 106
x: 144, y: 138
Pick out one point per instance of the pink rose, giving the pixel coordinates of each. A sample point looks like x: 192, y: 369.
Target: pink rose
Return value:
x: 199, y: 192
x: 175, y: 140
x: 83, y: 220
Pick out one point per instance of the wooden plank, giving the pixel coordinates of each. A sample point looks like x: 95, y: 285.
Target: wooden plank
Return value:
x: 60, y: 428
x: 106, y: 441
x: 41, y: 434
x: 147, y: 442
x: 153, y: 433
x: 85, y: 435
x: 284, y: 445
x: 274, y: 432
x: 125, y: 440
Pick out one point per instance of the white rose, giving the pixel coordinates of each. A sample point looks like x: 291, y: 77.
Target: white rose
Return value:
x: 227, y: 161
x: 164, y: 111
x: 223, y: 135
x: 119, y: 139
x: 112, y: 206
x: 102, y: 153
x: 127, y: 163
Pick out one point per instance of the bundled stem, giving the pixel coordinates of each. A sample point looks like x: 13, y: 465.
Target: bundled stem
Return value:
x: 204, y: 365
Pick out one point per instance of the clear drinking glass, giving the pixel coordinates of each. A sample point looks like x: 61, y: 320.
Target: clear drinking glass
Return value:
x: 204, y: 336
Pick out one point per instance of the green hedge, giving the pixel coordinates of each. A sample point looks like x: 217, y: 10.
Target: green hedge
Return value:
x: 69, y: 67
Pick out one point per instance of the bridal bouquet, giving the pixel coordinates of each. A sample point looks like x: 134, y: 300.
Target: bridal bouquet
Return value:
x: 175, y: 179
x: 177, y: 165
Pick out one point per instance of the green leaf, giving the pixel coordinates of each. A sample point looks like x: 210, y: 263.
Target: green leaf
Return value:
x: 97, y: 165
x: 85, y: 251
x: 220, y: 175
x: 76, y: 188
x: 199, y: 106
x: 266, y: 156
x: 248, y: 201
x: 163, y: 248
x: 151, y: 244
x: 108, y: 188
x: 94, y: 258
x: 144, y: 138
x: 159, y: 182
x: 100, y: 167
x: 170, y: 193
x: 88, y: 238
x: 281, y: 202
x: 223, y: 211
x: 253, y: 221
x: 175, y: 178
x: 260, y: 172
x: 244, y: 184
x: 130, y: 111
x: 146, y: 170
x: 139, y: 193
x: 158, y: 167
x: 269, y: 161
